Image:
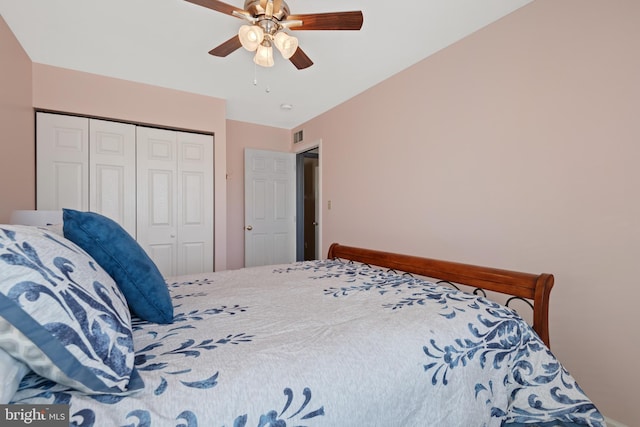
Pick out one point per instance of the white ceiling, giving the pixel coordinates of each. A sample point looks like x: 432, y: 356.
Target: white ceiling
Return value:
x: 166, y: 43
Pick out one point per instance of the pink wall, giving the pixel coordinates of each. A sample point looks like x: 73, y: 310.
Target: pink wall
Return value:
x: 517, y: 147
x: 17, y: 150
x: 242, y: 135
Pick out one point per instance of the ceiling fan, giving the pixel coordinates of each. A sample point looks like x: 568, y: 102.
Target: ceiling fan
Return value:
x: 268, y: 19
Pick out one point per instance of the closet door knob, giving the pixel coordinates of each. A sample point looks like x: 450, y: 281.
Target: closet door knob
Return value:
x: 248, y: 228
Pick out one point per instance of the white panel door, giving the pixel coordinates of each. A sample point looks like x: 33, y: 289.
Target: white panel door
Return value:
x: 195, y: 203
x: 62, y: 162
x: 270, y: 236
x: 156, y: 196
x: 112, y: 169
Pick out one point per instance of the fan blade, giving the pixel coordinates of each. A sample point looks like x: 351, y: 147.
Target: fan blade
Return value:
x: 218, y: 6
x: 328, y: 21
x: 227, y: 47
x: 301, y: 60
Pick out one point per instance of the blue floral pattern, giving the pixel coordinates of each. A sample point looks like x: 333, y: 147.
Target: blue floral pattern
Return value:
x: 327, y: 343
x: 279, y: 419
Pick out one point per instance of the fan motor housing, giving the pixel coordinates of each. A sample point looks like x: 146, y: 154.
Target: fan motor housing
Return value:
x: 256, y: 10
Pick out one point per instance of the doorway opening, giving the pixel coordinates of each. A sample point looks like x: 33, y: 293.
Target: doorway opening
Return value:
x: 308, y: 205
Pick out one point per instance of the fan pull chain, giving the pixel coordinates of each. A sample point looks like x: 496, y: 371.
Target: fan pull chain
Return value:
x: 255, y: 75
x: 255, y: 79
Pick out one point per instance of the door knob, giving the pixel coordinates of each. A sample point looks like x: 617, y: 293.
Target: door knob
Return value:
x: 248, y: 228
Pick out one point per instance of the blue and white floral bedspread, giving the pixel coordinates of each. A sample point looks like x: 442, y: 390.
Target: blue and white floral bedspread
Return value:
x: 328, y: 344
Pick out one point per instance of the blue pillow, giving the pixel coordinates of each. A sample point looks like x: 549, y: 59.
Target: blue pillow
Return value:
x: 124, y: 259
x: 63, y: 315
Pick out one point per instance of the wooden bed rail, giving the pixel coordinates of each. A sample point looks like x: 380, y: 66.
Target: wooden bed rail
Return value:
x: 534, y: 287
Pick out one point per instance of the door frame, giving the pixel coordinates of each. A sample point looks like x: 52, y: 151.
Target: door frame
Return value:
x: 300, y: 152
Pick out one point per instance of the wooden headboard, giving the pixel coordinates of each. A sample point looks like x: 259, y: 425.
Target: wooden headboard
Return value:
x: 534, y: 287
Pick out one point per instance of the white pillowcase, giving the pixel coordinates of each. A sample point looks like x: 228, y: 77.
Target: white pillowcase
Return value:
x: 11, y: 371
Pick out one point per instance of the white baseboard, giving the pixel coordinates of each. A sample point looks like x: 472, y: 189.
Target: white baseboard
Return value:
x: 613, y: 423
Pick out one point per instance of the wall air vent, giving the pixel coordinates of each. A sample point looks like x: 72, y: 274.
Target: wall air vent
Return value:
x: 297, y: 137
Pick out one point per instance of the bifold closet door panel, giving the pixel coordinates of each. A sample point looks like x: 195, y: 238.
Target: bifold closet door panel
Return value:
x: 195, y: 203
x: 62, y: 162
x: 88, y: 165
x: 157, y: 168
x: 112, y: 171
x: 175, y: 199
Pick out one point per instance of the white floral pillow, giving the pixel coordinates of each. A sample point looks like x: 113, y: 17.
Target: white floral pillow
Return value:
x: 62, y: 314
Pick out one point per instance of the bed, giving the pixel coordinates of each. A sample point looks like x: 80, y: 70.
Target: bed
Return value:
x: 361, y: 338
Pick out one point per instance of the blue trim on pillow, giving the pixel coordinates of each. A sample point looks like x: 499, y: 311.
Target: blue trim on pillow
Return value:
x: 125, y: 260
x: 62, y: 358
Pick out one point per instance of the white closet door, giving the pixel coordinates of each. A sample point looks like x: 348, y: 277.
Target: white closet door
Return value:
x: 157, y: 184
x: 195, y: 203
x: 157, y: 208
x: 112, y: 168
x: 62, y: 161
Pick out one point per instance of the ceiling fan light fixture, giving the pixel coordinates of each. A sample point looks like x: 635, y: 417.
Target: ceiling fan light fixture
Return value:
x: 264, y: 55
x: 267, y: 19
x: 250, y: 36
x: 286, y: 44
